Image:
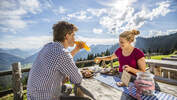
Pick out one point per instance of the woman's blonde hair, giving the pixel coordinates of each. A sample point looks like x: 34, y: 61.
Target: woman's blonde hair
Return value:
x: 129, y: 35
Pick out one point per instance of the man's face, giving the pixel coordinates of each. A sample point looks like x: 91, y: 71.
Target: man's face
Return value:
x: 71, y: 39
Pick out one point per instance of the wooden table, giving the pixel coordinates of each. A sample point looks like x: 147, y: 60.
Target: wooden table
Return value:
x: 101, y: 91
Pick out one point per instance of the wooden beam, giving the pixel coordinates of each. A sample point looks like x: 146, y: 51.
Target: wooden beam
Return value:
x: 171, y: 59
x: 173, y: 56
x: 166, y: 80
x: 87, y: 61
x: 9, y: 72
x: 4, y: 73
x: 162, y: 63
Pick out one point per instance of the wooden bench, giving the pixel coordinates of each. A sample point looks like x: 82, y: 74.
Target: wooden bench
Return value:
x: 163, y: 68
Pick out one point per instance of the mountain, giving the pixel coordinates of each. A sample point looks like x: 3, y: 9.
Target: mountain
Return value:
x: 94, y: 50
x: 30, y: 59
x: 160, y: 42
x: 114, y: 48
x: 81, y: 54
x: 18, y: 52
x: 7, y: 59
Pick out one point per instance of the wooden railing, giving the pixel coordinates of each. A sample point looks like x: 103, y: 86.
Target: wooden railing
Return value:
x: 164, y: 70
x: 17, y: 86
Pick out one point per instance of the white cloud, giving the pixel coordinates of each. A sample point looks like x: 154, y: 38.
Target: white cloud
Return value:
x: 96, y: 12
x: 96, y: 41
x: 38, y: 42
x: 124, y: 17
x: 32, y: 6
x: 144, y: 15
x: 154, y: 33
x: 97, y: 31
x: 24, y: 42
x: 81, y: 15
x: 60, y: 10
x: 117, y: 4
x: 13, y: 13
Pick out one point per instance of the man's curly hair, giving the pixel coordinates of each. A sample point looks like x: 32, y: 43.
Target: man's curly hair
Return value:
x: 61, y: 29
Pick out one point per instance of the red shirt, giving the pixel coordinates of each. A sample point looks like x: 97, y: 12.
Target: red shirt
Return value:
x: 130, y: 60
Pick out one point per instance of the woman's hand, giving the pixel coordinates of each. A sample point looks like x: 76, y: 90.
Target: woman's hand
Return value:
x: 97, y: 60
x: 127, y: 68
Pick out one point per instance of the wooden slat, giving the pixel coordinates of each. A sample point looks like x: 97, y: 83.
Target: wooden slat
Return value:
x: 171, y: 59
x: 162, y: 63
x: 9, y: 72
x: 87, y: 61
x: 173, y: 56
x: 4, y: 73
x: 166, y: 80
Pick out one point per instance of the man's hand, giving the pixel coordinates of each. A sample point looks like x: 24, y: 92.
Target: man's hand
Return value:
x: 66, y: 79
x: 79, y: 45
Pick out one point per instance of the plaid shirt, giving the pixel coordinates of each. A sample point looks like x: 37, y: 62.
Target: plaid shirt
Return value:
x: 50, y: 68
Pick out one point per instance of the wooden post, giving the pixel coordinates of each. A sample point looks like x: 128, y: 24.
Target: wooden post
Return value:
x: 157, y: 71
x: 103, y: 62
x: 17, y: 86
x: 165, y: 73
x: 111, y: 63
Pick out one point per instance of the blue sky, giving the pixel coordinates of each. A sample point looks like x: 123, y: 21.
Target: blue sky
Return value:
x: 27, y: 24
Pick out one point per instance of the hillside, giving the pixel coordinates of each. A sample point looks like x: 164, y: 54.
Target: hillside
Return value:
x: 161, y: 42
x: 18, y: 52
x: 7, y: 59
x: 94, y: 50
x: 30, y: 59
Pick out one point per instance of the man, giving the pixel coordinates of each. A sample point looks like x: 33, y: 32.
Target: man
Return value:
x: 53, y: 64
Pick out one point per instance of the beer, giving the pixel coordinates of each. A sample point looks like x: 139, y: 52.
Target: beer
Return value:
x: 84, y: 45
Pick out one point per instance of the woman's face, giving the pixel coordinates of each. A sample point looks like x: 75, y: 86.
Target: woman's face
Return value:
x: 123, y: 43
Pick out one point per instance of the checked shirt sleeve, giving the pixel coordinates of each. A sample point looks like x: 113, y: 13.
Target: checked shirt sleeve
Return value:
x: 67, y: 66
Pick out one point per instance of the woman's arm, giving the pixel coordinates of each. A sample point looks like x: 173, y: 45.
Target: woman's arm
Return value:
x: 141, y: 66
x: 106, y: 58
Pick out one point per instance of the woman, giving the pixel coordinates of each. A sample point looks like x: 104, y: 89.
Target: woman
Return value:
x: 131, y: 59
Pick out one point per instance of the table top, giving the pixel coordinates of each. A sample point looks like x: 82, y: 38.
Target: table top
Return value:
x: 102, y: 91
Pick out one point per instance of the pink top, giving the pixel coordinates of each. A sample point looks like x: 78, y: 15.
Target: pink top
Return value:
x: 130, y: 60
